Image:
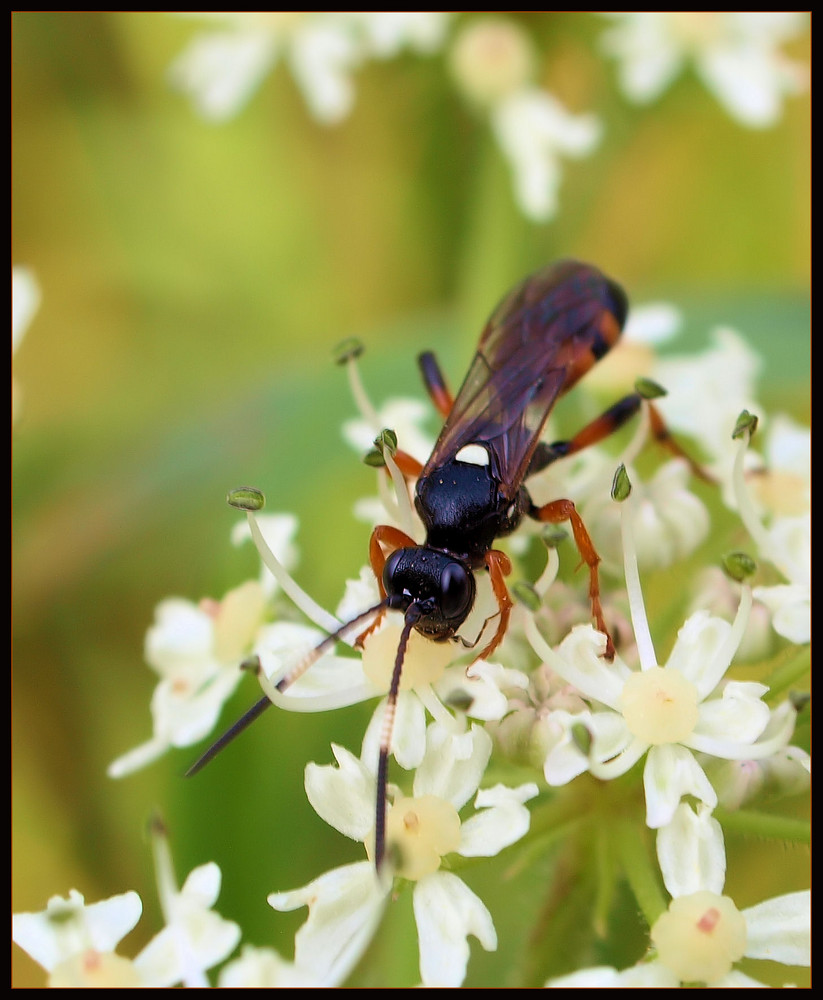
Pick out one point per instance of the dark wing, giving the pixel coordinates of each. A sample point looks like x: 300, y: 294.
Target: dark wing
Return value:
x: 541, y: 338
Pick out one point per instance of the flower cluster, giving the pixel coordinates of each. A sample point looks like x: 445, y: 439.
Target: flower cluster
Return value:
x: 495, y: 66
x: 483, y: 751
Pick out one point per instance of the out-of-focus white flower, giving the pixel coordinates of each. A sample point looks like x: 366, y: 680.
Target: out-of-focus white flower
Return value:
x: 263, y: 968
x: 493, y: 65
x: 705, y: 394
x: 25, y: 301
x: 534, y: 131
x: 671, y: 520
x: 222, y: 68
x: 197, y: 651
x: 785, y: 541
x: 735, y: 53
x: 345, y: 904
x: 75, y: 942
x: 195, y: 938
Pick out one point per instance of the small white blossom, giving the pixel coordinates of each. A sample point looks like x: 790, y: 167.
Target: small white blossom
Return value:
x: 196, y: 650
x: 785, y: 542
x: 706, y: 392
x: 221, y: 69
x: 195, y: 938
x: 345, y: 904
x: 493, y: 65
x: 25, y: 301
x: 75, y: 942
x: 735, y: 53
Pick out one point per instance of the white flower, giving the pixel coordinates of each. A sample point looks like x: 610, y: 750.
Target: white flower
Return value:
x: 195, y: 938
x: 25, y: 301
x: 75, y: 942
x: 785, y: 542
x: 663, y: 713
x: 534, y: 131
x: 221, y: 69
x: 703, y: 934
x: 493, y: 65
x: 197, y: 651
x: 706, y: 393
x: 263, y: 968
x: 735, y: 53
x: 279, y: 531
x: 345, y: 904
x: 671, y: 520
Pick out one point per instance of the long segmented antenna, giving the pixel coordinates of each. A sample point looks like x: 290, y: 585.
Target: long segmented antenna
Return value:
x: 413, y: 615
x: 282, y: 685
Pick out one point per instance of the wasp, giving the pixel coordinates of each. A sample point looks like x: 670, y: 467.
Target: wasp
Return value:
x: 542, y: 338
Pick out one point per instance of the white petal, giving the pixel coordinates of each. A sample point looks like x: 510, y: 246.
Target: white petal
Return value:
x: 780, y: 929
x: 453, y: 765
x: 262, y: 967
x: 343, y: 796
x: 446, y: 912
x: 670, y: 773
x: 696, y: 651
x: 182, y: 636
x: 739, y: 715
x: 691, y: 852
x: 221, y: 71
x: 67, y: 927
x: 408, y: 741
x: 344, y: 909
x: 604, y: 977
x: 503, y: 820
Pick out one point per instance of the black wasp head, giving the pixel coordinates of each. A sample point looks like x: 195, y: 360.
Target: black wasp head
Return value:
x: 441, y: 586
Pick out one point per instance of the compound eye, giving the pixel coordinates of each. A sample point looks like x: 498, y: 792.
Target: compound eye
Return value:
x: 390, y: 569
x: 456, y: 591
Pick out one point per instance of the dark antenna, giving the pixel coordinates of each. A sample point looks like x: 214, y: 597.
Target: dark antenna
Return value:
x: 282, y: 685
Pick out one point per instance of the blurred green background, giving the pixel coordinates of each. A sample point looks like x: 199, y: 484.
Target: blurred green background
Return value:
x: 195, y: 278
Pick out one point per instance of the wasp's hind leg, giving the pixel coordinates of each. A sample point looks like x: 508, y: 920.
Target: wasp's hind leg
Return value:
x: 607, y: 423
x: 435, y: 383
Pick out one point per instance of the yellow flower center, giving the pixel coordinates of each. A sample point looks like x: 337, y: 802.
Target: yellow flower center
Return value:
x: 696, y: 29
x: 659, y: 706
x: 419, y: 831
x: 423, y: 663
x: 238, y: 618
x: 700, y: 937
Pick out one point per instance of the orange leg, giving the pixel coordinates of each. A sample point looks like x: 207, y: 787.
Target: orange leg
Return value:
x: 435, y: 383
x: 663, y: 436
x: 383, y: 534
x: 408, y: 465
x: 499, y: 566
x: 564, y: 510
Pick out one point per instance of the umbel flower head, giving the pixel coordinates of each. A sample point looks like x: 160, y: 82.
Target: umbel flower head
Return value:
x: 345, y: 904
x: 666, y: 714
